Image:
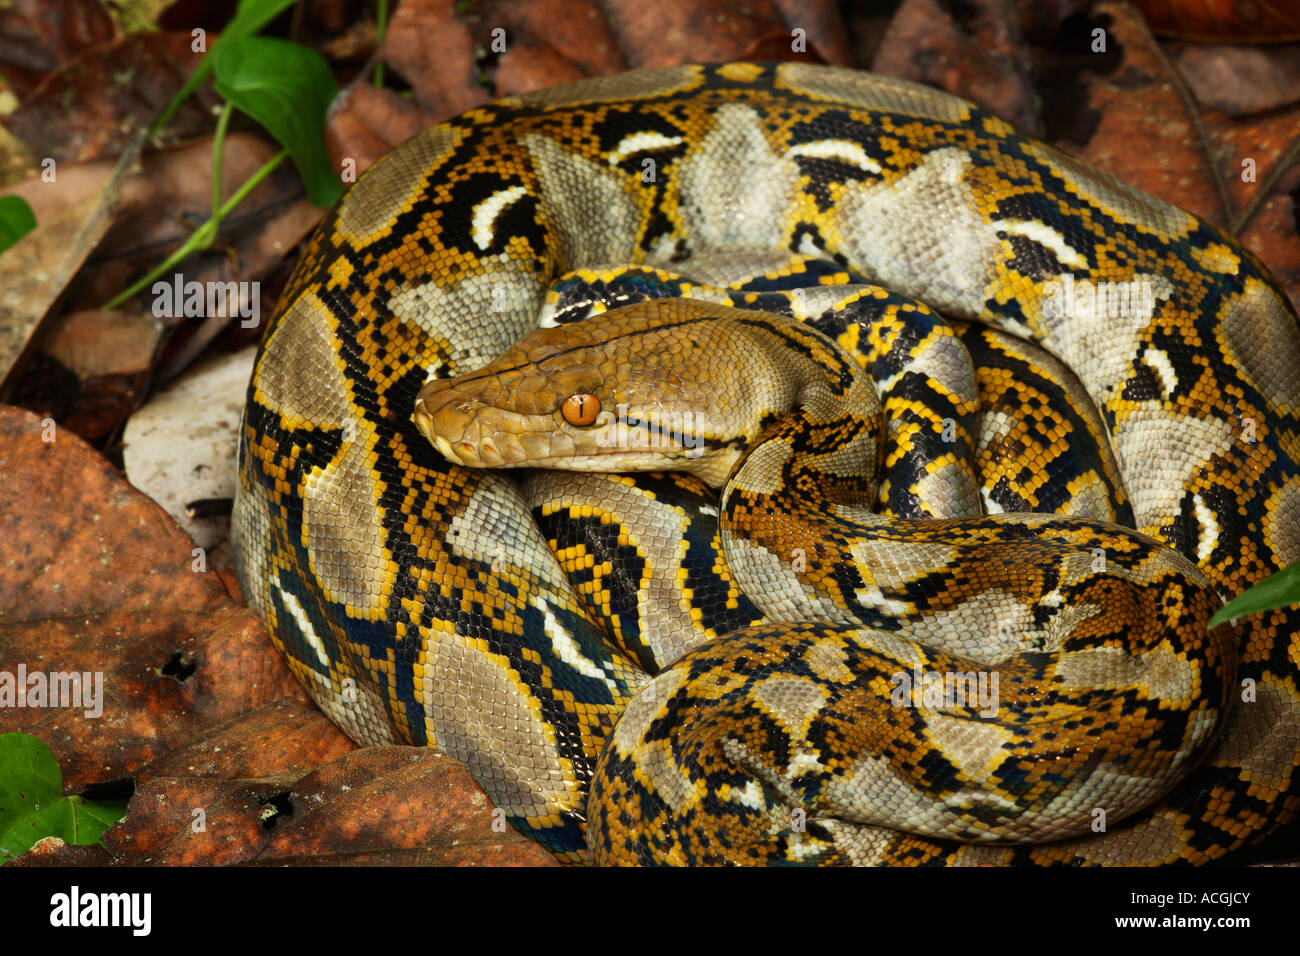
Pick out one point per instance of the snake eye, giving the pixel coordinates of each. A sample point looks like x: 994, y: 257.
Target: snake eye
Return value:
x: 580, y: 409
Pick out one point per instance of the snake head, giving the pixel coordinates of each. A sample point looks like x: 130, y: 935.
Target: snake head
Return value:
x: 632, y: 389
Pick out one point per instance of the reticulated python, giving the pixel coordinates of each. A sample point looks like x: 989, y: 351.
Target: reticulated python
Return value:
x: 419, y: 602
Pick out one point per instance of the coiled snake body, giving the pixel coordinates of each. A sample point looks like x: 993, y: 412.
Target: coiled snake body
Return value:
x: 419, y: 602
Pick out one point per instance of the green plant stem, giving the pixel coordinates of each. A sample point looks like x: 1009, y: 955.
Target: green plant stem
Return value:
x: 202, y: 237
x: 218, y: 147
x: 381, y: 24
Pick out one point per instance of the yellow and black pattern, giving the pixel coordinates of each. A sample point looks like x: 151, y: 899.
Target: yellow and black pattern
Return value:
x: 645, y: 556
x: 1115, y: 686
x: 418, y: 601
x: 1041, y: 444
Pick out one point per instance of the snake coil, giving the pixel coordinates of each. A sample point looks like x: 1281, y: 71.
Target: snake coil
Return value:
x: 419, y: 602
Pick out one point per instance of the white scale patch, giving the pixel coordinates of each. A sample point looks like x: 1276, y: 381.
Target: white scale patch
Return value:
x: 923, y: 232
x: 1159, y: 672
x: 1185, y: 443
x: 641, y: 143
x: 991, y: 507
x: 566, y: 649
x: 1045, y: 235
x: 803, y: 763
x: 840, y: 150
x: 751, y: 795
x: 775, y: 587
x: 1208, y: 539
x: 873, y: 597
x: 1158, y: 361
x: 486, y: 212
x: 304, y: 625
x: 490, y: 529
x: 986, y: 629
x: 503, y: 301
x: 1099, y: 343
x: 588, y: 205
x: 735, y: 188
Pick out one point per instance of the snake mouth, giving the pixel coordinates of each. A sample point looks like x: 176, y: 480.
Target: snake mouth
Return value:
x: 540, y: 449
x: 504, y: 451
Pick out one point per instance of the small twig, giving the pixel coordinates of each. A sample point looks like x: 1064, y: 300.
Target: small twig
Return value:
x: 1262, y: 189
x: 218, y: 147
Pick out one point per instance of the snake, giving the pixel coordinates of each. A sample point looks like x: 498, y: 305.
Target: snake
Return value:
x: 927, y: 399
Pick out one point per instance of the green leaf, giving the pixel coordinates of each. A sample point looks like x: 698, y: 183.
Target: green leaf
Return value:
x: 16, y: 220
x: 286, y: 88
x: 251, y: 16
x: 32, y: 804
x: 1278, y: 590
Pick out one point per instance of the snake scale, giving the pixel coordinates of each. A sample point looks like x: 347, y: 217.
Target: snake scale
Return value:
x: 787, y: 229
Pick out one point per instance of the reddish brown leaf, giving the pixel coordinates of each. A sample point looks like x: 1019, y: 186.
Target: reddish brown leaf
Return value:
x: 38, y: 37
x: 1249, y: 151
x: 109, y: 358
x: 433, y: 50
x: 381, y: 806
x: 1273, y: 232
x: 778, y: 47
x: 1241, y: 80
x: 823, y: 27
x: 365, y: 122
x: 196, y: 704
x: 394, y: 805
x: 112, y: 90
x: 973, y: 50
x: 575, y: 31
x: 706, y: 31
x: 1147, y: 135
x: 1223, y: 20
x: 98, y: 580
x: 531, y: 63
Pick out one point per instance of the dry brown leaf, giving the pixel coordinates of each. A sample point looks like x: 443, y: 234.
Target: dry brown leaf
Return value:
x: 99, y: 580
x: 1241, y: 80
x: 366, y: 121
x: 381, y: 806
x: 432, y: 48
x: 38, y: 37
x: 91, y: 369
x: 973, y: 50
x: 109, y: 93
x: 458, y: 56
x: 1148, y: 133
x: 36, y: 269
x: 195, y: 703
x: 95, y: 342
x: 1223, y: 20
